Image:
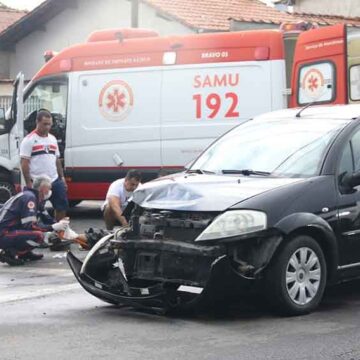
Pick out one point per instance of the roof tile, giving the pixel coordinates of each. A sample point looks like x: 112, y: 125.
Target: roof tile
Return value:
x: 9, y: 16
x: 217, y: 14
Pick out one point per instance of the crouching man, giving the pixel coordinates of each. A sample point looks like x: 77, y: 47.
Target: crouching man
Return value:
x: 20, y: 231
x: 117, y: 199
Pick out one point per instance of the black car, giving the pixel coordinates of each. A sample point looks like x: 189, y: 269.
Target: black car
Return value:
x: 272, y: 205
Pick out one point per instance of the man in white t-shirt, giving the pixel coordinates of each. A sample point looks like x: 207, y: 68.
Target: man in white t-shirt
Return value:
x: 39, y: 153
x: 117, y: 199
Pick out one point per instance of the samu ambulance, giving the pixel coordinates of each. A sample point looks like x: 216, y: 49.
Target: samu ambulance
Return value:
x: 130, y: 99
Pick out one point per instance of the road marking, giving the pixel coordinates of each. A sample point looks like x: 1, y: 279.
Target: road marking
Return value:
x: 10, y: 292
x: 34, y: 271
x: 36, y: 293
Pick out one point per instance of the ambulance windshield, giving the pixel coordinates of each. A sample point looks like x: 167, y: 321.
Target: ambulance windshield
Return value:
x: 47, y: 94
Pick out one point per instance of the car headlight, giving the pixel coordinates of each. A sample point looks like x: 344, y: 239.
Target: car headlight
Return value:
x: 233, y: 223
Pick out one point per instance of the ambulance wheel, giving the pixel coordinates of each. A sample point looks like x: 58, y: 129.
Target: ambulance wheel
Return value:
x: 73, y: 203
x: 6, y: 191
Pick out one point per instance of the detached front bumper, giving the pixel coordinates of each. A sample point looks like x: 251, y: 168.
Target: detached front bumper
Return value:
x: 164, y: 275
x: 103, y: 292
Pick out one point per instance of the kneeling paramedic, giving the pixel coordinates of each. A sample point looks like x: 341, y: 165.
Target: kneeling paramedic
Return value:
x: 20, y: 231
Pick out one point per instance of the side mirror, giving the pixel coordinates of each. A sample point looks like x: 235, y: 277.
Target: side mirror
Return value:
x: 349, y: 181
x: 3, y: 123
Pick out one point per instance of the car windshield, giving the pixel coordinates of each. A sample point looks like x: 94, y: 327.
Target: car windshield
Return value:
x: 286, y: 147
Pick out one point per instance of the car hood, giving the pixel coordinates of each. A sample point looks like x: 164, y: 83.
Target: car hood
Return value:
x: 197, y: 192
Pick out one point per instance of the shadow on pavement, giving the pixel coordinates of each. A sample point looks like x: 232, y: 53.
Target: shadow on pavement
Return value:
x: 341, y: 296
x: 337, y: 298
x: 85, y: 211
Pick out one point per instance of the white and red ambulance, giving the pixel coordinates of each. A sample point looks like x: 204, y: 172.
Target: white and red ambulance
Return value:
x: 130, y: 99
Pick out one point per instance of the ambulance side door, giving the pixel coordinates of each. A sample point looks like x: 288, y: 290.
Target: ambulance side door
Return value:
x: 319, y: 68
x: 114, y: 126
x: 353, y: 58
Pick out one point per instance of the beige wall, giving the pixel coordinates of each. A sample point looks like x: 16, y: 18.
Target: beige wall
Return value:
x: 6, y: 88
x: 350, y: 8
x: 74, y: 25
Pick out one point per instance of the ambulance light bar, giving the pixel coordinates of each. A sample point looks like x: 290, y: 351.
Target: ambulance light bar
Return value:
x: 262, y: 53
x: 121, y: 34
x: 169, y: 58
x: 298, y: 26
x: 49, y: 54
x: 65, y: 65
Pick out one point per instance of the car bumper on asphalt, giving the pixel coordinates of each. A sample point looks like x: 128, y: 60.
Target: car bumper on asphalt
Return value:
x: 168, y: 275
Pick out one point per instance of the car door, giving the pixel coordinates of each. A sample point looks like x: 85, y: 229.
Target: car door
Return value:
x: 349, y: 205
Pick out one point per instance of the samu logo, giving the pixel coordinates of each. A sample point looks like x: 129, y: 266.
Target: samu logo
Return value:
x: 116, y: 100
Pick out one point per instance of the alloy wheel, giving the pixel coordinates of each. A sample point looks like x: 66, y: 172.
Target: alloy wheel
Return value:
x: 303, y: 275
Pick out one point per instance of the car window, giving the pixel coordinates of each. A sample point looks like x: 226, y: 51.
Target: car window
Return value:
x: 346, y: 163
x: 355, y: 142
x: 304, y: 161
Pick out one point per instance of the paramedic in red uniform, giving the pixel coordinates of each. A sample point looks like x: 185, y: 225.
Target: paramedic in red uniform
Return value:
x: 20, y: 231
x: 117, y: 198
x: 40, y: 155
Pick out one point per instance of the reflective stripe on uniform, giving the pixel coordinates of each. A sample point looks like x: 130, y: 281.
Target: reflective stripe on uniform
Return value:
x: 8, y: 205
x: 32, y: 243
x: 28, y: 219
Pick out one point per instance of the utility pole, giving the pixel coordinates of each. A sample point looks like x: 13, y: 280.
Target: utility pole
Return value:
x: 134, y: 13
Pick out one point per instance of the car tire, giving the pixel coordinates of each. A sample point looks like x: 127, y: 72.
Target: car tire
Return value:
x: 6, y: 191
x: 296, y: 279
x: 73, y: 203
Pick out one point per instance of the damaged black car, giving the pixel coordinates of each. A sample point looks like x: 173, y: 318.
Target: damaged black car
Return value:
x: 272, y: 205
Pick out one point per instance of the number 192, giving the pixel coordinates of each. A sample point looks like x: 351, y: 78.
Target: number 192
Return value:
x: 213, y: 102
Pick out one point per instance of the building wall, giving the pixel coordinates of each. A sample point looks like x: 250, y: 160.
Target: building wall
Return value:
x: 4, y: 65
x: 350, y: 8
x: 6, y: 87
x: 6, y: 90
x: 74, y: 25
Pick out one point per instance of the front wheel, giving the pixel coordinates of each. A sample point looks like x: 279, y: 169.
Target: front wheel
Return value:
x: 295, y: 282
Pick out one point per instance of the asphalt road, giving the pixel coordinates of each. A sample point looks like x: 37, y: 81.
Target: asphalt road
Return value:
x: 45, y: 314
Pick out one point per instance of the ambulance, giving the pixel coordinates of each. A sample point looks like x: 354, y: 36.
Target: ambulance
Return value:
x: 130, y: 99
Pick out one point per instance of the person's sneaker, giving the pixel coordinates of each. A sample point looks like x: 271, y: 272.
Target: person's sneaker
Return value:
x: 6, y: 257
x: 30, y: 256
